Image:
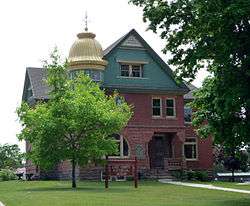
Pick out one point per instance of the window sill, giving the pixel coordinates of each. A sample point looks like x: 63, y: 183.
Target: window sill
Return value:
x: 118, y: 157
x: 123, y: 77
x: 157, y: 117
x: 192, y: 160
x: 171, y: 118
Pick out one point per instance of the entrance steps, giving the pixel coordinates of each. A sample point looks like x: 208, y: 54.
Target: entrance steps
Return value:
x: 160, y: 174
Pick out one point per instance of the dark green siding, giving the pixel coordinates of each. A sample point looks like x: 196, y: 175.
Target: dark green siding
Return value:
x: 154, y: 77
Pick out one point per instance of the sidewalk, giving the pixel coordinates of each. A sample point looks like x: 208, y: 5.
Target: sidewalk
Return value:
x: 205, y: 186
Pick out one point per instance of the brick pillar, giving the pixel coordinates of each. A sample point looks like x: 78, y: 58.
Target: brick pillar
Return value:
x: 178, y: 144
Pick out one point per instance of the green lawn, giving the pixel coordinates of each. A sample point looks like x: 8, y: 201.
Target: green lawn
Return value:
x: 231, y: 185
x: 149, y: 193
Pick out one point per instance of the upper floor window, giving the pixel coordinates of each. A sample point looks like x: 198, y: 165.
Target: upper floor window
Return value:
x: 131, y: 70
x: 170, y: 107
x: 95, y: 75
x: 190, y: 148
x: 156, y: 107
x: 187, y: 114
x: 122, y: 146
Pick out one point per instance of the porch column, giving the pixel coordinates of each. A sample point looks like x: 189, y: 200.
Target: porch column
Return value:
x: 178, y: 142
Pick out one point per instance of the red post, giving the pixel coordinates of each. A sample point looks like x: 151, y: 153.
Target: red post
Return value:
x: 106, y: 173
x: 135, y: 173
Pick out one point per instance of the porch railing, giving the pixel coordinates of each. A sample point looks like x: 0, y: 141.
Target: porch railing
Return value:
x: 174, y: 163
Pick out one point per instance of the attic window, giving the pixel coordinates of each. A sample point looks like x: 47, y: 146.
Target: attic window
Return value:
x: 132, y: 70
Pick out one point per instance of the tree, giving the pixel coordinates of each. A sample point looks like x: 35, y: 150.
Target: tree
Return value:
x: 211, y: 34
x: 76, y: 123
x: 10, y: 156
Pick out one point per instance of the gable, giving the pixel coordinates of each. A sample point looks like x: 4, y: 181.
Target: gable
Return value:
x: 27, y: 89
x: 132, y: 48
x: 35, y: 86
x: 131, y: 41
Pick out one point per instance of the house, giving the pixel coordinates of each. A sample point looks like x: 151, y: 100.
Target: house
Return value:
x: 159, y: 134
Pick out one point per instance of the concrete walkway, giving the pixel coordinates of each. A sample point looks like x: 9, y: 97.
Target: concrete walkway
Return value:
x: 1, y: 204
x: 210, y: 187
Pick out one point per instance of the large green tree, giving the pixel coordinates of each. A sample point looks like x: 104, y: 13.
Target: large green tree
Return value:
x: 77, y: 122
x: 10, y: 156
x: 211, y: 34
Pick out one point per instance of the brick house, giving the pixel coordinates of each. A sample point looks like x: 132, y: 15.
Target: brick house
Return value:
x: 159, y: 134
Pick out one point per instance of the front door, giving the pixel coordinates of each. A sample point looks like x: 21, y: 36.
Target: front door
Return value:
x: 157, y: 151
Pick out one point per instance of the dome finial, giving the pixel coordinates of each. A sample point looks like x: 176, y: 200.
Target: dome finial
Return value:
x: 86, y: 21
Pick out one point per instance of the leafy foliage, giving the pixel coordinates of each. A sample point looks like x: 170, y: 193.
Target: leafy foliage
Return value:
x: 7, y: 174
x: 10, y: 156
x: 211, y: 34
x: 75, y: 124
x: 190, y: 175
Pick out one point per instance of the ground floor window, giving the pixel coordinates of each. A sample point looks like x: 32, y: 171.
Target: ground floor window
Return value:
x: 122, y: 145
x: 190, y: 148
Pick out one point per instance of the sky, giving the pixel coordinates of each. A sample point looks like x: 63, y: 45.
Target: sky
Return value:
x: 30, y: 29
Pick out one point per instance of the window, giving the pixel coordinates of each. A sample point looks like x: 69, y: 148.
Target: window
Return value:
x: 136, y: 71
x: 156, y: 107
x: 125, y: 70
x: 170, y: 107
x: 129, y: 70
x: 187, y: 114
x: 95, y: 75
x: 122, y: 146
x: 190, y: 148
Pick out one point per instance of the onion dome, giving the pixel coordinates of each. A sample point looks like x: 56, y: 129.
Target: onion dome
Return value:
x: 86, y: 53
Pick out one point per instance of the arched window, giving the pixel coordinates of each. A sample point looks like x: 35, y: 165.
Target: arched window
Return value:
x: 123, y: 149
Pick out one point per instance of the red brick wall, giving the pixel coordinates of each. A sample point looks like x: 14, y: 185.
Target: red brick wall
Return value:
x: 143, y: 110
x: 205, y: 151
x: 142, y: 126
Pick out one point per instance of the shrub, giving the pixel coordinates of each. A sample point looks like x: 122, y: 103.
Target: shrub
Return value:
x: 7, y: 174
x: 190, y: 175
x: 179, y: 175
x: 201, y: 175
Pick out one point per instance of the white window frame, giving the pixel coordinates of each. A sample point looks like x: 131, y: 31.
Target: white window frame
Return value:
x: 152, y: 106
x: 121, y: 148
x: 174, y: 107
x: 130, y: 65
x: 191, y: 143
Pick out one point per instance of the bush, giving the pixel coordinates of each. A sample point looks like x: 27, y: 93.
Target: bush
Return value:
x: 179, y: 175
x: 7, y: 174
x: 190, y: 175
x: 201, y: 176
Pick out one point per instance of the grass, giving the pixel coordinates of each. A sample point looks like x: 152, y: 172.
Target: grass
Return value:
x: 231, y: 185
x: 149, y: 193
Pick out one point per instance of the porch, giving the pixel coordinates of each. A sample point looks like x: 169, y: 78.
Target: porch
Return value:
x: 165, y: 152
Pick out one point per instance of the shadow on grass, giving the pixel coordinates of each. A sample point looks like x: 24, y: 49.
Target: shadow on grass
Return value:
x: 78, y: 189
x: 236, y: 202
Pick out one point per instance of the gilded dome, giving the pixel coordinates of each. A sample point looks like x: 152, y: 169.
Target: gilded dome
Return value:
x: 86, y: 53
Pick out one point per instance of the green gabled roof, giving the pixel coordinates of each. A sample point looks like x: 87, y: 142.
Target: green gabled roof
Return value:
x: 108, y: 51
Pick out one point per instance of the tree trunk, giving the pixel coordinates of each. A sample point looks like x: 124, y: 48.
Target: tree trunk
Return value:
x: 73, y: 173
x: 233, y: 178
